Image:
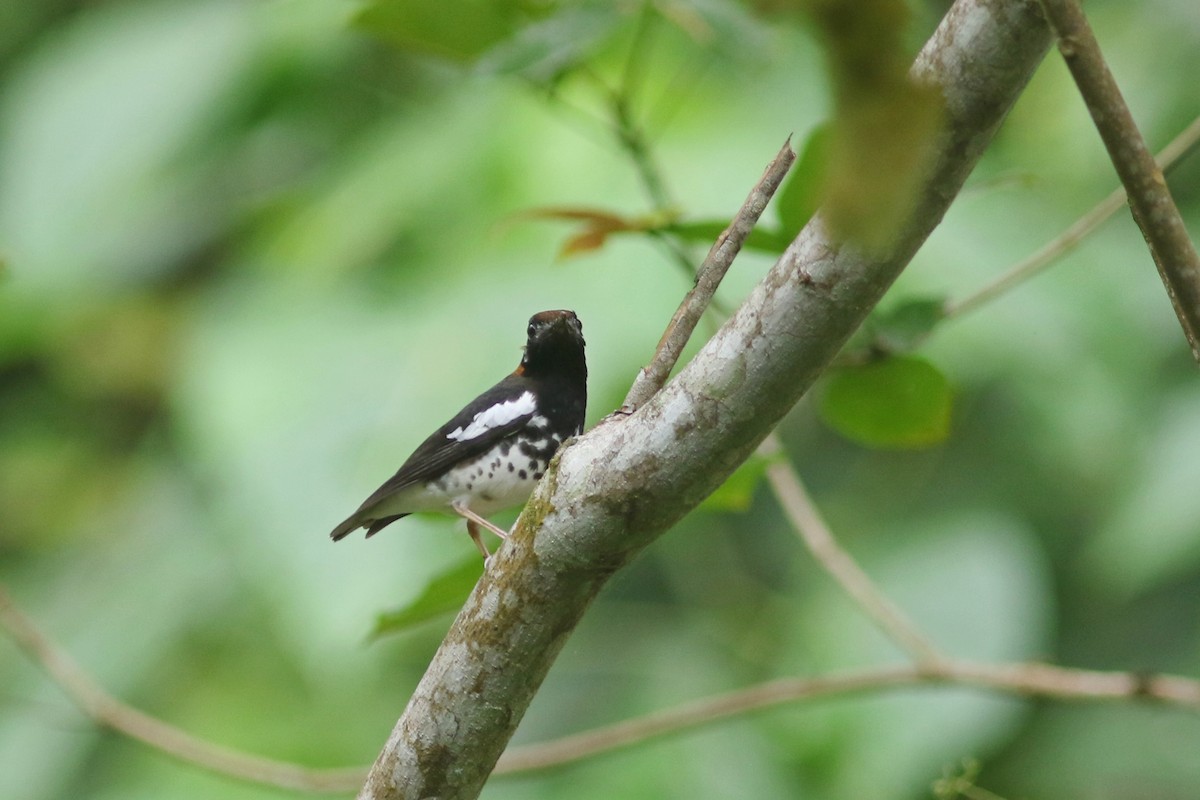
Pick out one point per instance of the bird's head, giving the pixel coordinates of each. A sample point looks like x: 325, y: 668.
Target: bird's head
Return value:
x: 554, y: 344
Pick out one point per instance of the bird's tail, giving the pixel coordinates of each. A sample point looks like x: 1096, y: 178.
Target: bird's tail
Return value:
x: 373, y: 525
x: 347, y: 527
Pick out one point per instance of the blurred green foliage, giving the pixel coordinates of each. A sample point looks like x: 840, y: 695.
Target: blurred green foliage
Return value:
x: 253, y: 252
x: 902, y: 401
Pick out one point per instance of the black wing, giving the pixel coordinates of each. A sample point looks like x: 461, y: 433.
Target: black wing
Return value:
x: 440, y: 452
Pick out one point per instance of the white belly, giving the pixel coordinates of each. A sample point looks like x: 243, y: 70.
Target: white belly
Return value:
x: 501, y: 478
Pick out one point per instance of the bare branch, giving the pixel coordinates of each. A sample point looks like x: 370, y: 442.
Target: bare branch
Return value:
x: 1028, y: 679
x: 110, y: 712
x: 697, y: 713
x: 1024, y: 679
x: 1149, y: 197
x: 708, y: 277
x: 1064, y: 683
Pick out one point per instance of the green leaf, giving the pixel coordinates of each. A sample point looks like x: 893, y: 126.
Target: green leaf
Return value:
x: 443, y: 594
x: 904, y: 326
x: 900, y: 402
x: 737, y: 492
x: 801, y: 194
x: 461, y: 32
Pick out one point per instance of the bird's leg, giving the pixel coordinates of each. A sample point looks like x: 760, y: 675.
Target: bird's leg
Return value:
x: 471, y: 516
x: 473, y: 529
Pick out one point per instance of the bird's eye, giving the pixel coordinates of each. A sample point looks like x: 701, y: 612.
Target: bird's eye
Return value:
x: 532, y: 329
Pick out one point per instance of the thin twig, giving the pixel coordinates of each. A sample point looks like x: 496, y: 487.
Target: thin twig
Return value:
x: 640, y: 50
x: 653, y: 376
x: 110, y: 712
x: 630, y: 135
x: 1149, y: 197
x: 1024, y: 679
x: 631, y: 139
x: 696, y: 713
x: 1033, y: 679
x: 807, y: 522
x: 1179, y: 147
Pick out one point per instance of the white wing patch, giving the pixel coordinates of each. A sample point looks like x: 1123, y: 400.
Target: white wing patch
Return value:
x: 494, y: 417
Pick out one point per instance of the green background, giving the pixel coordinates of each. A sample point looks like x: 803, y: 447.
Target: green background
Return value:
x: 254, y: 252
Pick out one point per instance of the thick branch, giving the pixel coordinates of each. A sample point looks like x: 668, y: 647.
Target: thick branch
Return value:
x: 624, y: 483
x: 1153, y: 207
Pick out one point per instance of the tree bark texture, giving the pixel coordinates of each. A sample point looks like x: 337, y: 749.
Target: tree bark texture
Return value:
x: 628, y: 480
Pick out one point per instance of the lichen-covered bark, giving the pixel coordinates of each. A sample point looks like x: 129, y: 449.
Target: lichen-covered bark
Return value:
x: 625, y: 482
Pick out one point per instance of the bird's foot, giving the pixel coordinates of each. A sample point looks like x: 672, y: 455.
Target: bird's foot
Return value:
x: 470, y: 516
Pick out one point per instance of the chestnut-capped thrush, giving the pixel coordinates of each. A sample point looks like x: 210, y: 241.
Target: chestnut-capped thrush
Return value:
x: 489, y: 456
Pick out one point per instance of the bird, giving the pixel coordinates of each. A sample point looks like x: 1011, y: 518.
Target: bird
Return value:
x: 491, y: 454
